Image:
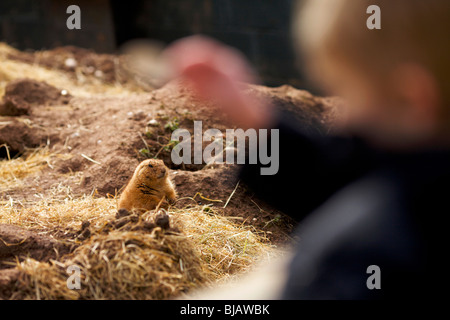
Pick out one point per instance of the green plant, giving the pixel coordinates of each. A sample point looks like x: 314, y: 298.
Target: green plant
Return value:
x: 149, y: 134
x: 275, y: 220
x: 145, y: 152
x: 168, y: 147
x: 172, y: 125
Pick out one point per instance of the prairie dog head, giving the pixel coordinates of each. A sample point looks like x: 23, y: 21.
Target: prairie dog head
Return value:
x: 151, y: 171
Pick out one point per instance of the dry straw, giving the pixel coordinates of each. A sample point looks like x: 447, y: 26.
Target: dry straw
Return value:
x: 133, y: 264
x: 119, y: 265
x: 14, y: 170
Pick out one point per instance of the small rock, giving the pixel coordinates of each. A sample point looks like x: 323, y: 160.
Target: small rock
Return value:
x: 85, y: 224
x: 153, y: 123
x: 162, y: 220
x: 70, y: 63
x: 139, y: 115
x: 122, y: 213
x: 84, y: 232
x: 98, y: 73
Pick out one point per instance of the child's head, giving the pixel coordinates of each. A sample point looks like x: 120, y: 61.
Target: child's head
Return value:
x: 396, y: 78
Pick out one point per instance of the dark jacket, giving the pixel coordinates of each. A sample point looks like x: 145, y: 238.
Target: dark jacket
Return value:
x: 358, y: 207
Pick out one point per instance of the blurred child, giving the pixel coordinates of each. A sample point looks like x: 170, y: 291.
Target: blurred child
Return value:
x: 375, y: 194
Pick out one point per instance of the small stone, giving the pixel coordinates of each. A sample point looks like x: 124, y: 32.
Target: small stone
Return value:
x: 162, y: 220
x: 85, y: 225
x: 85, y: 234
x: 122, y: 213
x: 153, y: 123
x: 98, y: 73
x: 70, y: 63
x: 139, y: 115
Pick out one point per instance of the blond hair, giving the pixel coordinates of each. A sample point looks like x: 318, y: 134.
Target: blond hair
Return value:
x: 411, y: 31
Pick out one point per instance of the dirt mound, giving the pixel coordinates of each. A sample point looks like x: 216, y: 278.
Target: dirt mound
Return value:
x: 154, y: 255
x: 80, y: 62
x: 215, y: 184
x: 221, y: 189
x: 149, y: 240
x: 17, y: 242
x: 22, y: 94
x: 34, y: 92
x: 17, y: 136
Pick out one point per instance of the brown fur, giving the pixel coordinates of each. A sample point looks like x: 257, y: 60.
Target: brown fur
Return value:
x: 148, y: 186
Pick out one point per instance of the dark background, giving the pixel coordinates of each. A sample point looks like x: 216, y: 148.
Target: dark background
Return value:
x: 259, y: 28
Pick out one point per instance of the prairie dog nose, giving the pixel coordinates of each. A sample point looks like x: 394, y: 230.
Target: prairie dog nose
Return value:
x: 163, y: 172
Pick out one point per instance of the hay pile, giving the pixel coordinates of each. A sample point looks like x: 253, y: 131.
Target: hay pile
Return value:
x: 13, y: 170
x: 119, y: 265
x: 136, y: 259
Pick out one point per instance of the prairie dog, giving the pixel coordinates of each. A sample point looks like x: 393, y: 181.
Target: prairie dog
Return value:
x: 149, y: 184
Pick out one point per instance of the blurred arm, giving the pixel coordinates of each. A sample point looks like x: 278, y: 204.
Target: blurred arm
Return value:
x: 311, y: 169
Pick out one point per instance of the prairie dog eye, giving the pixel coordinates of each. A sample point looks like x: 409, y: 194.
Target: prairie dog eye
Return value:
x: 150, y: 165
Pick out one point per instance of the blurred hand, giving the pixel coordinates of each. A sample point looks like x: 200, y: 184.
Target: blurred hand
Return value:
x: 215, y: 72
